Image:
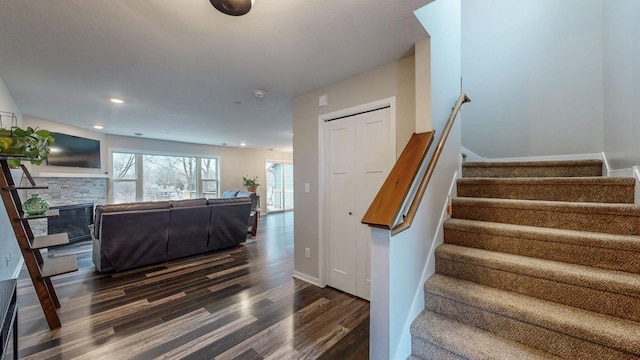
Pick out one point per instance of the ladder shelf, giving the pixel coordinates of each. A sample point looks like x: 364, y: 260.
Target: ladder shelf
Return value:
x: 40, y: 270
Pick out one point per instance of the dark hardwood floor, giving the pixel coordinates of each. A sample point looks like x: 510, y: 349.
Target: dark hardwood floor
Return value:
x: 241, y: 303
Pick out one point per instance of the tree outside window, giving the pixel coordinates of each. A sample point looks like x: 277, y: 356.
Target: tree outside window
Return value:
x: 151, y: 177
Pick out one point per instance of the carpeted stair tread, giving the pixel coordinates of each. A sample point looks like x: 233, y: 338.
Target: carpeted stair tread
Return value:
x: 575, y: 189
x: 542, y: 254
x: 608, y: 280
x: 609, y: 292
x: 598, y: 217
x: 608, y: 251
x: 413, y: 357
x: 441, y: 331
x: 532, y: 168
x: 585, y: 326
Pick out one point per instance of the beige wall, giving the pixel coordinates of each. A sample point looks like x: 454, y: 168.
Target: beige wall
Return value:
x: 234, y: 162
x: 396, y: 79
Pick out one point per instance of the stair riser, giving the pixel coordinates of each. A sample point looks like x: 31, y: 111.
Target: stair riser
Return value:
x: 426, y: 350
x: 610, y: 223
x: 541, y: 338
x: 603, y: 258
x: 604, y: 302
x: 571, y: 193
x: 525, y: 171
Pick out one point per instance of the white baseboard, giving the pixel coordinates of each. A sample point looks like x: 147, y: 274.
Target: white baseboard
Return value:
x: 636, y: 175
x: 16, y: 272
x: 619, y: 173
x: 615, y: 172
x: 471, y: 156
x: 307, y: 278
x: 596, y: 156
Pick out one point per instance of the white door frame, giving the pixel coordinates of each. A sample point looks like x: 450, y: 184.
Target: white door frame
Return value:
x: 322, y: 241
x: 265, y: 201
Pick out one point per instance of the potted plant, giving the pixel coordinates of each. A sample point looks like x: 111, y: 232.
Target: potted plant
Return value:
x: 32, y: 144
x: 250, y: 183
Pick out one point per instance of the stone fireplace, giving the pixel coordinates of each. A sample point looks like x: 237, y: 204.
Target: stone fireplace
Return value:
x: 68, y: 193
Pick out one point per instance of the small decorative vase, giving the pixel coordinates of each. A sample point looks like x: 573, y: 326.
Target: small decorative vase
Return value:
x: 35, y: 205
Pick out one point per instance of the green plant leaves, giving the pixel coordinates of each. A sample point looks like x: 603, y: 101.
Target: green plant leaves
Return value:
x: 30, y: 143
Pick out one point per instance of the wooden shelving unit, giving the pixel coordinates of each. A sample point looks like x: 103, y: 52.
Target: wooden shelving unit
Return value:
x: 40, y: 270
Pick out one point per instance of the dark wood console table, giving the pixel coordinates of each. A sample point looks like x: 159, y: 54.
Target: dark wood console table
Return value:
x: 9, y: 317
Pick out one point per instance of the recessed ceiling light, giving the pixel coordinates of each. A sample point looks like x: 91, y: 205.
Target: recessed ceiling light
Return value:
x: 259, y: 93
x: 116, y: 100
x: 243, y: 144
x: 99, y: 127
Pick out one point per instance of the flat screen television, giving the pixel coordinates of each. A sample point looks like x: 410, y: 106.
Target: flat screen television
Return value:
x: 74, y: 151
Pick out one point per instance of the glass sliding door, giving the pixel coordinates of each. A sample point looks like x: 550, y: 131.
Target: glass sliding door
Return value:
x: 279, y: 186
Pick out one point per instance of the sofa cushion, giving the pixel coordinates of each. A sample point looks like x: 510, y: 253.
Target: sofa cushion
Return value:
x: 135, y: 238
x: 188, y: 203
x: 188, y: 231
x: 147, y: 205
x: 229, y: 194
x: 217, y: 201
x: 245, y: 194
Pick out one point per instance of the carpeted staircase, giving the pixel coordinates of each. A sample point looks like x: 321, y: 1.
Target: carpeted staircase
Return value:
x: 541, y: 260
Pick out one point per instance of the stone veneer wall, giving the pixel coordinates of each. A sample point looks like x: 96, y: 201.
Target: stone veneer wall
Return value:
x: 66, y: 191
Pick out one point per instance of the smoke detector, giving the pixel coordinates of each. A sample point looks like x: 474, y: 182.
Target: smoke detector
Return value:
x: 259, y: 93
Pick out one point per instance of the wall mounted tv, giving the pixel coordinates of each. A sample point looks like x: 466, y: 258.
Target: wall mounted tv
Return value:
x: 74, y: 151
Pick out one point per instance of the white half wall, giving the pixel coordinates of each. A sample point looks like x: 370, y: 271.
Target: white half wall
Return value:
x: 398, y: 263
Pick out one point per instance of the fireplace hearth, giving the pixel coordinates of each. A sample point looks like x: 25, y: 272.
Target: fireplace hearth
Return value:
x: 74, y: 220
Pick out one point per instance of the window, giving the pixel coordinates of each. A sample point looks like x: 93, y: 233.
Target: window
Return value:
x: 124, y: 177
x: 149, y: 177
x: 209, y: 177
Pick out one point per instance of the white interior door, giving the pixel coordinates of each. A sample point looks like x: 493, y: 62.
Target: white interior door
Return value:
x: 340, y: 159
x: 359, y: 152
x: 375, y: 157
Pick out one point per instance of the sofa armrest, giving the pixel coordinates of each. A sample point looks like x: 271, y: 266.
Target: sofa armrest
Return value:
x: 228, y: 226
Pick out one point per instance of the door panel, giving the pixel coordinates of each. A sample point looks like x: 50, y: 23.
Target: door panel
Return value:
x: 341, y: 229
x: 375, y: 157
x: 359, y: 154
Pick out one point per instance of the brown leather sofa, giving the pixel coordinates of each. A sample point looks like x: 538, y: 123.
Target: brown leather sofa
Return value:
x: 127, y: 236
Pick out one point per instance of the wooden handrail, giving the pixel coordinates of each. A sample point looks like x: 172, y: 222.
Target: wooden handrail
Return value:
x: 411, y: 213
x: 388, y: 204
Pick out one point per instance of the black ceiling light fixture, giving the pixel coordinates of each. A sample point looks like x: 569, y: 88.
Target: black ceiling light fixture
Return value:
x: 233, y: 7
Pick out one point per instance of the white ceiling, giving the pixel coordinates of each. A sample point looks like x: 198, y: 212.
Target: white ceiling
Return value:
x: 187, y: 71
